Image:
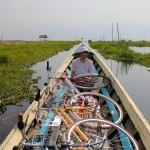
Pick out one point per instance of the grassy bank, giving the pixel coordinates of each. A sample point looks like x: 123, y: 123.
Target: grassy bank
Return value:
x: 121, y: 51
x: 16, y: 83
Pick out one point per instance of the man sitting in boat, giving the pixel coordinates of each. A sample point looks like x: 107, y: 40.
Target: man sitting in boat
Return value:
x: 82, y: 64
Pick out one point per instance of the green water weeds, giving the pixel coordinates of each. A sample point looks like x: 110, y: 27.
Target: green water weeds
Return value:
x: 16, y: 83
x: 121, y: 51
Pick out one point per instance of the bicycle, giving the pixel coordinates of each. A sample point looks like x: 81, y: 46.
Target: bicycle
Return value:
x: 110, y: 138
x: 88, y: 99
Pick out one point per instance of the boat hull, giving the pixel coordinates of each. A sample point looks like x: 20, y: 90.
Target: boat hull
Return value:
x: 133, y: 120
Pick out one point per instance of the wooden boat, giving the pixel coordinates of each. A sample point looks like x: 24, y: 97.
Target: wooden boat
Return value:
x: 59, y: 109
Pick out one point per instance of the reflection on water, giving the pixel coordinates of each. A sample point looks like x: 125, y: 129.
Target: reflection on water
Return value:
x: 136, y: 81
x: 141, y: 49
x: 122, y: 66
x: 9, y: 118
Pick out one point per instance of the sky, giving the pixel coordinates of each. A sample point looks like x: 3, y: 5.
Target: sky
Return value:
x: 74, y: 19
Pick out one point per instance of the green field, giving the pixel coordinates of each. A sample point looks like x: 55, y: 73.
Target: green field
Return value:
x: 16, y: 83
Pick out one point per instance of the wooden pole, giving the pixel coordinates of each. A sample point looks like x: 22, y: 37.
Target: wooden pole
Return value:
x: 112, y: 33
x: 118, y: 32
x: 1, y: 38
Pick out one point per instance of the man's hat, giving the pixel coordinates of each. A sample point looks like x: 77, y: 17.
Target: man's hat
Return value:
x: 83, y: 49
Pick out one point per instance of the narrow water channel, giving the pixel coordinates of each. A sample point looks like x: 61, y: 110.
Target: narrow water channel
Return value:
x: 143, y: 50
x: 54, y: 61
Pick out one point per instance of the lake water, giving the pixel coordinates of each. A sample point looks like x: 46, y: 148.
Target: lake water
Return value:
x: 134, y: 78
x: 136, y: 81
x: 141, y: 49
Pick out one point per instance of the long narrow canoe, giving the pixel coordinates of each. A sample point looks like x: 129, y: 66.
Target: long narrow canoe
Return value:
x: 133, y: 120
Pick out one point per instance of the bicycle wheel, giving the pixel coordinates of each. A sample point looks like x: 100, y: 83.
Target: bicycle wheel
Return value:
x: 106, y: 108
x: 91, y: 81
x: 113, y: 138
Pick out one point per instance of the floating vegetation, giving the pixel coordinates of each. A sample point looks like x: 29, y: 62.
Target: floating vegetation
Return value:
x: 16, y: 83
x: 121, y: 51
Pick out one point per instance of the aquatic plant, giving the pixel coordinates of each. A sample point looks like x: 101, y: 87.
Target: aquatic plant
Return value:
x: 16, y: 83
x: 121, y: 51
